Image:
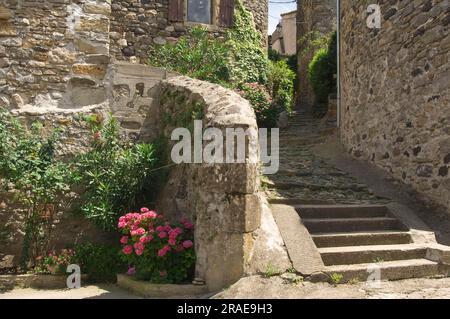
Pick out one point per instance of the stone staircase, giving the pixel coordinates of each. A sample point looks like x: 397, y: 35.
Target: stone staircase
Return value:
x: 352, y: 239
x: 332, y: 225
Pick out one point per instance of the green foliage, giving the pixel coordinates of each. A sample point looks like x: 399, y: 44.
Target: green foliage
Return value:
x: 259, y: 98
x: 234, y: 62
x: 273, y: 55
x: 312, y: 42
x: 115, y: 175
x: 5, y: 234
x: 198, y: 55
x: 249, y: 62
x: 101, y: 263
x: 54, y: 263
x: 336, y: 279
x: 322, y: 69
x: 281, y: 84
x: 271, y: 271
x: 318, y: 73
x: 28, y: 166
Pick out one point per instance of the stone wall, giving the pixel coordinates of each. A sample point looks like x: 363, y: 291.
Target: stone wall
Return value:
x: 222, y: 199
x: 136, y: 25
x: 312, y: 16
x: 54, y: 53
x: 396, y: 91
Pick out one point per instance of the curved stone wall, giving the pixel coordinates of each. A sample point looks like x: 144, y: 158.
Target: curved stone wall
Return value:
x: 396, y: 92
x: 222, y: 198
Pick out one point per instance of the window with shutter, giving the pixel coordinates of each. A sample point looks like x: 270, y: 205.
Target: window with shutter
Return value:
x: 199, y: 11
x: 176, y: 10
x: 226, y: 13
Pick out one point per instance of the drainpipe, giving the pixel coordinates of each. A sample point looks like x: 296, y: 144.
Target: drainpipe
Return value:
x: 338, y: 80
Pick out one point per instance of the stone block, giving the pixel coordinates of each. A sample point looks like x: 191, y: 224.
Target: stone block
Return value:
x: 95, y: 70
x: 91, y: 47
x: 229, y: 178
x: 5, y: 13
x: 93, y: 25
x: 97, y: 8
x: 242, y: 213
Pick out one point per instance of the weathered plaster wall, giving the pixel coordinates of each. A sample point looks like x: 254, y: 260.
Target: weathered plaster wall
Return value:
x: 312, y: 16
x: 396, y: 91
x: 136, y: 25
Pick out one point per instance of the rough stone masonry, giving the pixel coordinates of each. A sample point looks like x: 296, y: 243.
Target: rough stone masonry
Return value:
x: 395, y: 81
x: 59, y: 60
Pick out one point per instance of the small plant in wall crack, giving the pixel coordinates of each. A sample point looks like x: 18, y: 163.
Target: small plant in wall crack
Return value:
x: 271, y: 271
x: 336, y: 279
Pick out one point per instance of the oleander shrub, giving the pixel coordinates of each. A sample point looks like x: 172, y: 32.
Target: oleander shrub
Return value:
x: 115, y: 175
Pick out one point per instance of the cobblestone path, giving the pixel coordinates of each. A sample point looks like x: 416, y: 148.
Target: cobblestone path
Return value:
x: 303, y: 175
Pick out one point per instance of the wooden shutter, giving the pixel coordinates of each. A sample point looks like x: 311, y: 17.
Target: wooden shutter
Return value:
x: 226, y: 13
x: 176, y: 10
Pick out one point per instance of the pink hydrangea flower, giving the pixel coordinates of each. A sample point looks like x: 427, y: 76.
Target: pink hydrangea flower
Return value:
x: 187, y: 244
x: 139, y: 246
x: 146, y: 239
x: 179, y: 248
x: 172, y: 242
x: 127, y: 250
x: 162, y: 234
x: 188, y: 225
x: 131, y: 271
x: 124, y: 240
x: 122, y: 224
x: 163, y: 251
x: 144, y: 210
x: 139, y: 252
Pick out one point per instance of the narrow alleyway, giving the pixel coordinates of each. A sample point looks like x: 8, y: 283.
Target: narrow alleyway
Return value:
x: 303, y: 175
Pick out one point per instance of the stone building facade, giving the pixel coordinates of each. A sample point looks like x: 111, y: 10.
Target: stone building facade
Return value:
x: 137, y: 25
x: 313, y: 17
x: 61, y: 59
x: 52, y: 50
x: 395, y: 91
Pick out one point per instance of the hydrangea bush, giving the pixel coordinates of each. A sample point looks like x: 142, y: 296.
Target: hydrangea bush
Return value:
x: 53, y: 262
x: 155, y: 249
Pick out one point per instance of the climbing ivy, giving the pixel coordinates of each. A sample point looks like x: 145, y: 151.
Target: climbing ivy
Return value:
x: 248, y: 62
x: 238, y: 61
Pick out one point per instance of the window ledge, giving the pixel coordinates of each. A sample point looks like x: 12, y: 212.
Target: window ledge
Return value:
x: 209, y: 27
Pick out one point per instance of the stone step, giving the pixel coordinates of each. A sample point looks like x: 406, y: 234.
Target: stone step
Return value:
x: 364, y: 238
x: 314, y: 187
x: 339, y: 211
x: 390, y: 270
x: 370, y: 254
x: 345, y: 225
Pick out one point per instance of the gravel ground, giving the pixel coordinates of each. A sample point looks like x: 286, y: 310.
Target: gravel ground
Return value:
x: 275, y: 287
x: 266, y: 288
x: 88, y: 292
